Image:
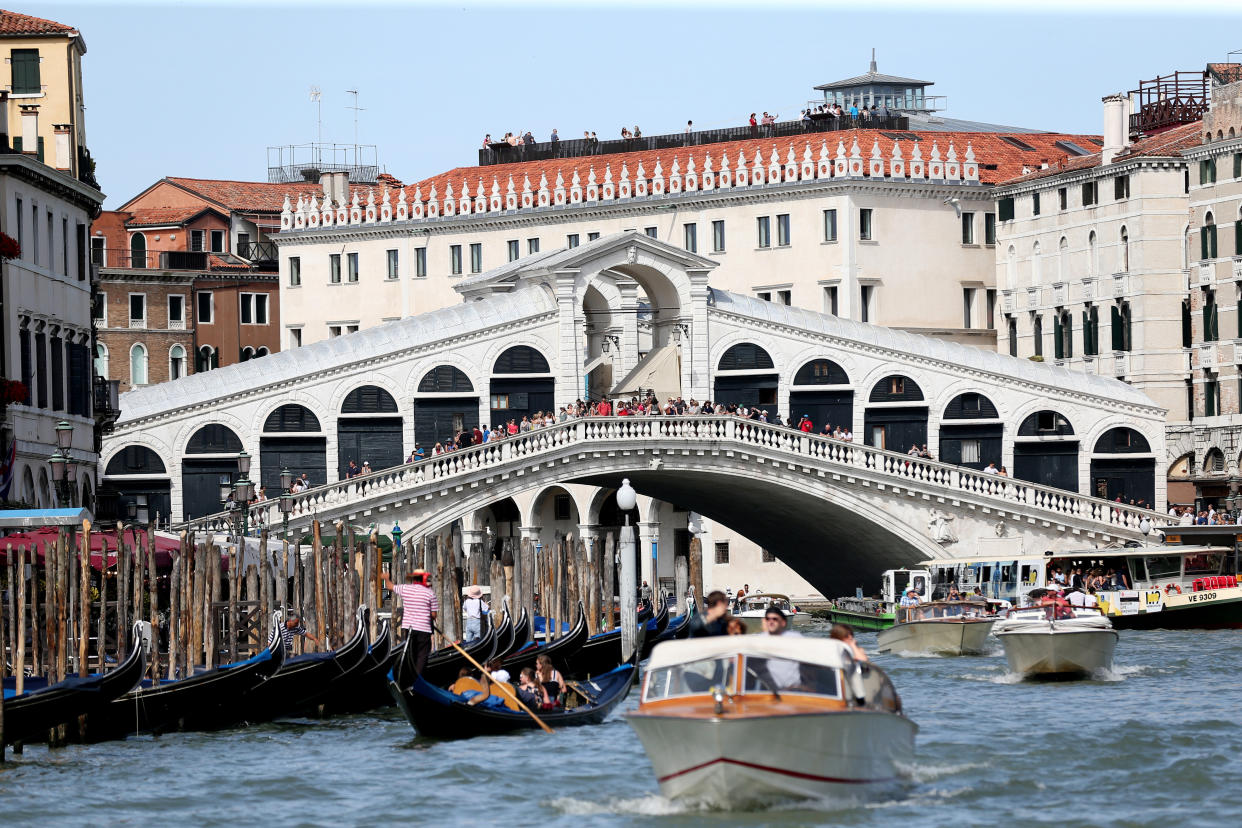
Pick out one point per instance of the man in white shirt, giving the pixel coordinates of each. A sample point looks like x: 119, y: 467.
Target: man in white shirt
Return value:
x: 784, y: 673
x: 990, y: 469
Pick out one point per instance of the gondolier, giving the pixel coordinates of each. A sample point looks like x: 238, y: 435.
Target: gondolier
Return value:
x: 418, y: 614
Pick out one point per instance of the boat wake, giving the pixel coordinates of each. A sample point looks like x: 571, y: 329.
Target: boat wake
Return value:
x: 1124, y: 671
x: 656, y: 805
x: 924, y: 773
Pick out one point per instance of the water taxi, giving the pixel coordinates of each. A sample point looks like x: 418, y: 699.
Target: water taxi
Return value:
x: 876, y: 613
x: 939, y: 627
x: 741, y: 720
x: 1056, y: 641
x: 750, y: 608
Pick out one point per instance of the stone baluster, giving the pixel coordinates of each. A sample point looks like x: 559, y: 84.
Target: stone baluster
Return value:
x: 791, y: 165
x: 823, y: 169
x: 496, y: 205
x: 286, y: 214
x: 856, y: 161
x: 916, y: 163
x: 386, y: 206
x: 952, y: 170
x: 808, y: 163
x: 544, y: 197
x: 528, y: 197
x: 657, y: 179
x: 449, y: 205
x: 692, y: 177
x: 511, y: 199
x: 369, y: 213
x: 312, y: 213
x: 480, y: 198
x: 592, y: 188
x: 709, y: 174
x: 355, y: 210
x: 970, y: 168
x: 935, y: 166
x: 558, y: 192
x: 841, y: 164
x: 674, y: 179
x: 774, y: 167
x: 876, y: 167
x: 625, y: 190
x: 640, y: 181
x: 609, y: 191
x: 299, y: 215
x: 758, y: 175
x: 896, y: 164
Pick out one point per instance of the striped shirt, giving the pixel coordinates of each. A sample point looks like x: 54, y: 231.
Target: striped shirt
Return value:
x: 287, y: 635
x: 418, y: 602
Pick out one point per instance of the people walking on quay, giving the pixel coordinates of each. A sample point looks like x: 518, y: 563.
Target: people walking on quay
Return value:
x: 419, y: 610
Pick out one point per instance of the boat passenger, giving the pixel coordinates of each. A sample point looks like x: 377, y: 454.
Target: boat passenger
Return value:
x: 715, y: 619
x: 529, y: 690
x: 735, y: 627
x: 549, y: 677
x: 845, y: 634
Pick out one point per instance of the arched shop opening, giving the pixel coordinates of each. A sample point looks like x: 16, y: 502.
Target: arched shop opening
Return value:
x: 896, y: 416
x: 1122, y: 466
x: 821, y: 390
x: 971, y: 432
x: 521, y: 384
x: 368, y: 430
x: 292, y: 439
x: 446, y: 404
x: 209, y: 466
x: 139, y: 476
x: 746, y: 375
x: 1045, y: 451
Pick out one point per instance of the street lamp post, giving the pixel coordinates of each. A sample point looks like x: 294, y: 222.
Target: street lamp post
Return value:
x: 286, y: 498
x: 64, y: 471
x: 243, y: 491
x: 627, y: 499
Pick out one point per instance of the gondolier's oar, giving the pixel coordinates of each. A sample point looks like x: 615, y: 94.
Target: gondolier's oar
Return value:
x: 503, y: 687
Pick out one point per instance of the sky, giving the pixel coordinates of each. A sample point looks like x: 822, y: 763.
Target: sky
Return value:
x: 201, y: 90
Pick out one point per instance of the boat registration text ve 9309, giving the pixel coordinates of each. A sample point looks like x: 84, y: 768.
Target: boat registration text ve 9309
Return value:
x: 1201, y: 596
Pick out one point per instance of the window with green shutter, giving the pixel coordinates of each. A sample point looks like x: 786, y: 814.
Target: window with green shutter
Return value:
x: 25, y: 64
x: 1207, y: 241
x: 1237, y: 165
x: 1121, y: 326
x: 1210, y: 317
x: 1211, y: 398
x: 1237, y: 238
x: 1005, y: 208
x: 1058, y: 349
x: 1187, y: 328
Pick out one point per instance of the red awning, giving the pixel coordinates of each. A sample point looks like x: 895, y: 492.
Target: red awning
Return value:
x: 39, y: 539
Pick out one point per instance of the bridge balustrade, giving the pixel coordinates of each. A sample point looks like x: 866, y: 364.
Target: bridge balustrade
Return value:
x: 660, y: 431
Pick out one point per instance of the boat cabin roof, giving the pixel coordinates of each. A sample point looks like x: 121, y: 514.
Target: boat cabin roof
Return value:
x: 827, y: 652
x: 1088, y: 552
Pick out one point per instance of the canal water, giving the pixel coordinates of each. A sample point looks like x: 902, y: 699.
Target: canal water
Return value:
x: 1156, y: 743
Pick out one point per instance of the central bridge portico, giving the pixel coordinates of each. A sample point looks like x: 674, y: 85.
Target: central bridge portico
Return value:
x: 629, y: 312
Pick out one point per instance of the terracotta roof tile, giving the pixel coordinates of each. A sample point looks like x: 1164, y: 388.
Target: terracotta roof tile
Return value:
x: 998, y: 161
x: 1168, y: 143
x: 247, y: 196
x: 12, y: 23
x: 151, y: 216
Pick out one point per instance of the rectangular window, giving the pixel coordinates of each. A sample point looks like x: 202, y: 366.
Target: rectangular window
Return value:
x: 82, y: 253
x: 98, y: 255
x: 351, y: 329
x: 514, y: 252
x: 51, y: 243
x: 25, y: 63
x: 21, y: 236
x: 64, y: 246
x: 782, y: 230
x: 1207, y: 241
x: 34, y: 235
x: 58, y: 374
x: 500, y: 402
x: 1037, y: 333
x: 295, y: 337
x: 1035, y: 204
x: 351, y: 272
x: 334, y: 268
x: 768, y: 557
x: 420, y: 262
x: 722, y: 552
x: 572, y: 240
x: 99, y: 309
x: 334, y: 331
x: 1090, y: 194
x: 1121, y: 187
x: 394, y: 271
x: 137, y: 310
x: 991, y: 295
x: 1211, y: 398
x: 897, y: 385
x: 295, y: 271
x: 830, y: 225
x: 765, y: 231
x: 254, y: 308
x: 206, y: 310
x: 866, y: 296
x: 989, y: 229
x: 968, y: 228
x: 561, y: 507
x: 718, y: 236
x: 455, y: 259
x: 476, y: 258
x: 968, y: 306
x: 532, y: 246
x: 784, y: 297
x: 1005, y: 207
x: 692, y: 237
x: 864, y: 225
x: 592, y: 236
x: 1011, y: 325
x: 970, y: 451
x: 1063, y: 197
x: 830, y: 300
x: 765, y: 295
x: 1237, y: 169
x: 176, y: 311
x: 651, y: 231
x: 217, y: 241
x: 1211, y: 318
x: 1207, y: 171
x: 196, y: 241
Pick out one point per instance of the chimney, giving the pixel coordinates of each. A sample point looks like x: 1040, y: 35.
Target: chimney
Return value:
x: 30, y: 129
x: 340, y: 187
x: 1116, y: 126
x: 64, y: 147
x: 325, y: 178
x: 4, y: 121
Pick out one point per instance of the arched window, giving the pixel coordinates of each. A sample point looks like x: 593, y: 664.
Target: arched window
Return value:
x: 1093, y: 257
x: 1045, y: 424
x: 445, y: 379
x: 214, y: 438
x: 138, y: 364
x: 821, y: 372
x: 135, y: 460
x: 206, y: 358
x: 261, y: 351
x: 1037, y: 276
x: 247, y: 354
x: 896, y: 388
x: 101, y: 360
x: 970, y: 406
x: 291, y: 417
x: 1122, y: 441
x: 745, y: 356
x: 1011, y: 268
x: 521, y: 359
x: 369, y: 399
x: 1124, y: 257
x: 1063, y: 260
x: 138, y: 250
x: 1214, y: 461
x: 1207, y: 237
x: 176, y: 362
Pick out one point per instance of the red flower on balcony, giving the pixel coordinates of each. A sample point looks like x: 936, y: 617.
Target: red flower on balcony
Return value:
x: 9, y: 248
x: 12, y: 391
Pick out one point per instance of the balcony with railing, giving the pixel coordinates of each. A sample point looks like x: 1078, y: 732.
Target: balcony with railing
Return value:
x: 126, y: 259
x: 258, y: 252
x: 499, y: 152
x: 1169, y: 101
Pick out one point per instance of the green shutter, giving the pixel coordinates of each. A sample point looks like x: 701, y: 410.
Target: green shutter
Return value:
x: 1211, y: 237
x: 25, y: 65
x: 1187, y: 337
x: 39, y: 154
x: 1237, y: 238
x: 1069, y: 336
x: 1058, y: 349
x: 1118, y: 335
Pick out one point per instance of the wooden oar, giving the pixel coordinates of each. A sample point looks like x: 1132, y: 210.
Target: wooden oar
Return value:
x: 503, y: 687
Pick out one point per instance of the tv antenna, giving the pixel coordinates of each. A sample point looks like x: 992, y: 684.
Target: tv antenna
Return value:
x: 316, y: 97
x: 356, y: 110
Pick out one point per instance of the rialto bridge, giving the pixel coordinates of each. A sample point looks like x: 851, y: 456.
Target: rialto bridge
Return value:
x: 625, y: 313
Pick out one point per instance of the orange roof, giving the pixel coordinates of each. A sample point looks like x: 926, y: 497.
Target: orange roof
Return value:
x: 1168, y: 143
x: 12, y: 23
x: 246, y: 196
x: 151, y: 216
x: 998, y: 160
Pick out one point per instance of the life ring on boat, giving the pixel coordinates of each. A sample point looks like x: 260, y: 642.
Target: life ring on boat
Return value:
x: 1169, y: 589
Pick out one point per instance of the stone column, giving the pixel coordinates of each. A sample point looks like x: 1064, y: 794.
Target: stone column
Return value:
x: 629, y: 630
x: 696, y: 348
x: 569, y: 360
x: 474, y: 561
x: 627, y: 356
x: 649, y: 532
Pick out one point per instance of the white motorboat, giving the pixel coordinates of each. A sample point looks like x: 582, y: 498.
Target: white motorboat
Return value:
x: 941, y: 627
x: 1052, y: 641
x: 741, y: 720
x: 750, y: 608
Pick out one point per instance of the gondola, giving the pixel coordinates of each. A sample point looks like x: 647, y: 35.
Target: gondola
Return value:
x: 444, y: 664
x: 522, y: 631
x: 557, y: 650
x: 204, y: 701
x: 602, y: 651
x: 439, y: 714
x: 303, y: 680
x: 31, y: 715
x: 678, y: 628
x: 367, y: 688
